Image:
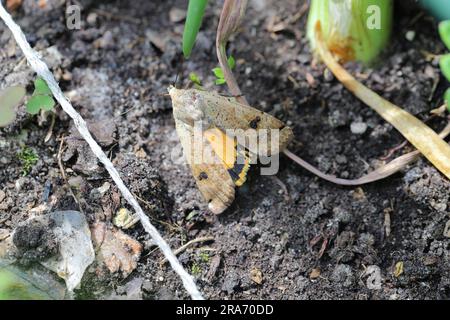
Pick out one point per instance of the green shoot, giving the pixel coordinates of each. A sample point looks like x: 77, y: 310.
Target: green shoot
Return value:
x: 194, y: 17
x: 444, y: 31
x: 445, y: 65
x: 28, y: 158
x: 352, y: 29
x: 196, y: 270
x: 218, y: 72
x: 204, y: 257
x: 9, y: 100
x: 195, y: 78
x: 41, y: 99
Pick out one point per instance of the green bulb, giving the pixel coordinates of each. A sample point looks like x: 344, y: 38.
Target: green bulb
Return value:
x: 352, y: 29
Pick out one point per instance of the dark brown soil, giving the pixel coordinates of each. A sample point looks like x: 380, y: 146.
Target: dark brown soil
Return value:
x: 318, y: 240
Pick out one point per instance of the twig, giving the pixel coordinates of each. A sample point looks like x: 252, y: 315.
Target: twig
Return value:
x: 43, y: 71
x: 188, y: 244
x: 50, y: 129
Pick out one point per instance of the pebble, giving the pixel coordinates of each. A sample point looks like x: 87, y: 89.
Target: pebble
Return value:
x: 374, y: 277
x: 177, y: 15
x: 410, y: 35
x: 358, y: 127
x: 447, y: 229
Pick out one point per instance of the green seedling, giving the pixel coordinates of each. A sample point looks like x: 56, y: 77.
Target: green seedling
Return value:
x: 204, y: 257
x: 194, y: 17
x: 444, y: 31
x: 42, y: 98
x: 195, y: 79
x: 218, y: 72
x: 28, y: 158
x: 9, y: 100
x: 196, y: 270
x: 445, y: 65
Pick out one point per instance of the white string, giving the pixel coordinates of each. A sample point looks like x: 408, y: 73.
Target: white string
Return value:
x: 43, y: 71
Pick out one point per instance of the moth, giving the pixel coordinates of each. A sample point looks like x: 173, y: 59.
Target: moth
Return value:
x: 218, y: 137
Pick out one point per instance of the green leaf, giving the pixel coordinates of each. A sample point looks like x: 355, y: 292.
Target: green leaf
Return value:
x: 38, y: 102
x: 218, y: 73
x: 444, y: 31
x: 231, y: 62
x: 195, y: 78
x: 445, y: 65
x: 9, y: 99
x: 447, y: 98
x: 41, y: 87
x: 220, y: 81
x: 194, y: 17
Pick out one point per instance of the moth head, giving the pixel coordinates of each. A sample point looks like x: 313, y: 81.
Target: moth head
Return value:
x: 186, y: 105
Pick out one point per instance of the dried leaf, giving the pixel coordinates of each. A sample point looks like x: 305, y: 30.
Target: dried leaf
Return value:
x: 434, y: 148
x: 398, y: 269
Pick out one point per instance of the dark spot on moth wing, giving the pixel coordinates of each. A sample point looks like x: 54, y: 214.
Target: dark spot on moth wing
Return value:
x: 254, y: 123
x: 202, y: 176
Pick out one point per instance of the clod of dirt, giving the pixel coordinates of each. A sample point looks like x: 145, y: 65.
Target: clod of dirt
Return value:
x: 343, y: 275
x: 145, y: 183
x: 231, y: 282
x: 35, y: 241
x: 428, y: 187
x: 117, y: 251
x: 86, y: 161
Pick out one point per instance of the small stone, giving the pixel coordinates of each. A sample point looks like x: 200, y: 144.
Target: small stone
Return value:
x: 358, y: 127
x: 315, y: 273
x: 374, y: 277
x: 92, y: 18
x: 177, y: 15
x: 447, y: 229
x: 410, y: 35
x: 343, y: 275
x: 256, y: 276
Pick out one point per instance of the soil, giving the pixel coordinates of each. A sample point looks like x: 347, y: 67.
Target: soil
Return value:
x: 292, y: 236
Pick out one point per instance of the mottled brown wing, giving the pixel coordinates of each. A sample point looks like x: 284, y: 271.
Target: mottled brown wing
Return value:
x: 227, y: 113
x: 212, y: 177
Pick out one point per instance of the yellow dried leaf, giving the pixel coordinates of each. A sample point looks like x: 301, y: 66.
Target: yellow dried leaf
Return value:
x: 434, y: 148
x: 398, y: 269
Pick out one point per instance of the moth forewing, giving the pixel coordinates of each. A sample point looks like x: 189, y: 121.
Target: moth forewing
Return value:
x: 212, y: 178
x: 229, y: 115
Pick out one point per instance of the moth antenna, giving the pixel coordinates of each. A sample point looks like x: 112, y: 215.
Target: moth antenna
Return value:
x: 179, y: 71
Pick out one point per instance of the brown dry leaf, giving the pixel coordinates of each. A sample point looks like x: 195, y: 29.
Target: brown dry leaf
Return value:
x: 13, y: 5
x: 117, y: 251
x: 434, y: 148
x: 315, y: 273
x: 256, y: 276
